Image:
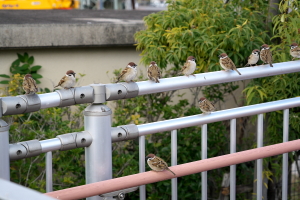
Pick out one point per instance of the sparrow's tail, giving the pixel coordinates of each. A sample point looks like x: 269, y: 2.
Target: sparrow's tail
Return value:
x: 171, y: 171
x: 271, y: 65
x: 247, y: 65
x: 156, y: 80
x: 237, y: 71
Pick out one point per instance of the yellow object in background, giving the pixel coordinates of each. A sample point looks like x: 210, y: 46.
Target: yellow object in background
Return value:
x: 38, y: 4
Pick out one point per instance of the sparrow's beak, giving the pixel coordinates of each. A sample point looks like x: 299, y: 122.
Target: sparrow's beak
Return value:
x: 219, y: 56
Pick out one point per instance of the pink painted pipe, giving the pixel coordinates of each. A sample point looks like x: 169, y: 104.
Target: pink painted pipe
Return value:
x: 111, y: 185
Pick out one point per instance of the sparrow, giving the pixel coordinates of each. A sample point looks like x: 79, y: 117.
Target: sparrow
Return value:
x: 129, y: 73
x: 29, y: 84
x: 253, y: 58
x: 266, y: 55
x: 206, y: 106
x: 295, y: 51
x: 153, y: 72
x: 68, y: 81
x: 157, y: 164
x: 226, y: 63
x: 189, y: 66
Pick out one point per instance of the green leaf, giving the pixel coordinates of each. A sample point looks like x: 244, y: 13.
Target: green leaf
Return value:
x: 26, y: 57
x: 35, y: 68
x: 30, y: 60
x: 47, y: 90
x: 21, y: 58
x: 15, y: 64
x: 4, y: 76
x: 24, y: 67
x: 4, y: 82
x: 36, y: 76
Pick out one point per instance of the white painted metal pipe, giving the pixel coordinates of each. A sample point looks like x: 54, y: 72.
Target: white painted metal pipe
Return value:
x: 174, y: 162
x: 50, y: 145
x: 285, y: 156
x: 232, y: 167
x: 4, y: 150
x: 222, y: 115
x: 49, y: 100
x: 203, y: 157
x: 142, y: 157
x: 49, y: 175
x: 98, y: 156
x: 259, y: 162
x: 210, y: 78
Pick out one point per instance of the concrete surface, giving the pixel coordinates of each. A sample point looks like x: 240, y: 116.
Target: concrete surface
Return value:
x: 69, y: 28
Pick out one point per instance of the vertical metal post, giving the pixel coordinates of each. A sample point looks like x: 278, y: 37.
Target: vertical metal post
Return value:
x: 49, y: 177
x: 259, y: 162
x: 116, y: 4
x: 285, y: 155
x: 204, y: 156
x: 98, y: 163
x: 4, y: 149
x: 142, y: 165
x: 101, y: 6
x: 232, y: 167
x: 174, y: 162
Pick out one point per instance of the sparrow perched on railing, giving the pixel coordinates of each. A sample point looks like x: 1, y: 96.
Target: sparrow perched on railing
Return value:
x: 68, y: 81
x: 226, y: 63
x: 29, y: 84
x: 153, y: 72
x: 206, y: 106
x: 129, y: 73
x: 295, y: 51
x: 253, y: 58
x: 189, y: 66
x: 266, y: 55
x: 157, y: 164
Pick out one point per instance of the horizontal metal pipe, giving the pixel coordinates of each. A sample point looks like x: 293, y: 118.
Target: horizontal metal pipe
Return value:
x: 49, y: 100
x: 183, y: 122
x: 50, y: 144
x: 222, y: 115
x: 53, y: 99
x: 211, y: 78
x: 180, y: 170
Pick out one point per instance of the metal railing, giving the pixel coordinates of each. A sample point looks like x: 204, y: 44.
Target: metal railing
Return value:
x: 98, y: 133
x: 180, y: 170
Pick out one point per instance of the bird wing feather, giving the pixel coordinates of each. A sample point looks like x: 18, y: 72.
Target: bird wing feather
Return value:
x: 159, y: 163
x: 32, y: 85
x: 186, y: 65
x: 62, y: 80
x: 125, y: 71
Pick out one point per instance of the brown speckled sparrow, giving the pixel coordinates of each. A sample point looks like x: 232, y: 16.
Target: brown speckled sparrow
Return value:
x: 68, y: 81
x: 253, y: 58
x: 157, y: 164
x: 206, y: 106
x: 189, y: 66
x: 153, y: 72
x: 266, y: 54
x: 129, y: 73
x: 295, y: 51
x: 29, y: 84
x: 226, y: 63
